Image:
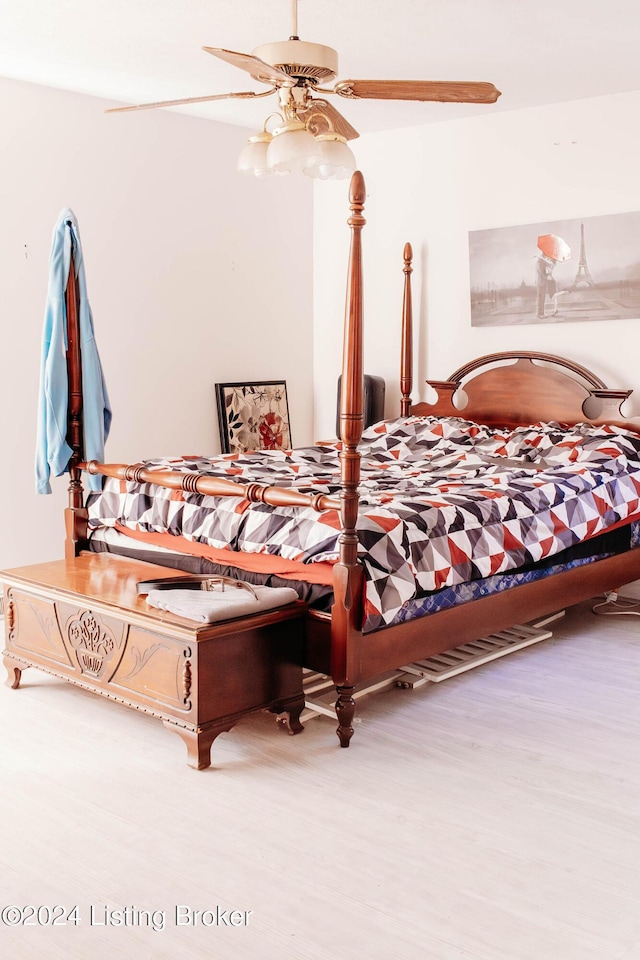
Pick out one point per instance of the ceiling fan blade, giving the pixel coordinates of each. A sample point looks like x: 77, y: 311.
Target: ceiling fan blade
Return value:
x: 175, y: 103
x: 321, y: 117
x: 440, y: 91
x: 258, y: 69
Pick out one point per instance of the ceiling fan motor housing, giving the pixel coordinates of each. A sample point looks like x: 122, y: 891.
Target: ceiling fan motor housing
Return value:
x: 312, y: 62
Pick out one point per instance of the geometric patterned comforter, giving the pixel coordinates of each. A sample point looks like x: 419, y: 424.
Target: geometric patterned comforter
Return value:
x: 442, y: 501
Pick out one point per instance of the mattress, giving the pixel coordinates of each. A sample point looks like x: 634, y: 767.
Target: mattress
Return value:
x: 320, y: 596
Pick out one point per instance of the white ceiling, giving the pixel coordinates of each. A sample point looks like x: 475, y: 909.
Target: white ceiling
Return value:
x: 136, y: 51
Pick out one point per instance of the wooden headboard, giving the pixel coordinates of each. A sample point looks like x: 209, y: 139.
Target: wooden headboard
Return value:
x: 514, y: 389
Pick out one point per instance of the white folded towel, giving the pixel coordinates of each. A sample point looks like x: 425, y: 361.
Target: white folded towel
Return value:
x: 209, y: 606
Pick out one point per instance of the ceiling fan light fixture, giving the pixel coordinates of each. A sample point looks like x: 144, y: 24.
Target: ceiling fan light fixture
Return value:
x: 336, y: 160
x: 253, y: 156
x: 292, y: 148
x: 313, y: 135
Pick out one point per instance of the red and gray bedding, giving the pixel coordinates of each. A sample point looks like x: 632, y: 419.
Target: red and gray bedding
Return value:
x: 442, y: 502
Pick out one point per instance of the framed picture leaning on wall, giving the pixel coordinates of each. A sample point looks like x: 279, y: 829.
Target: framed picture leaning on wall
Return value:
x: 253, y: 416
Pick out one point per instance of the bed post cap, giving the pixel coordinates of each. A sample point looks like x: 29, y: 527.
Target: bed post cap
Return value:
x: 357, y: 189
x: 408, y: 252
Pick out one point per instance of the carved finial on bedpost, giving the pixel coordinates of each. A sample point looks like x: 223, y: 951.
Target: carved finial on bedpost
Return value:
x: 406, y: 350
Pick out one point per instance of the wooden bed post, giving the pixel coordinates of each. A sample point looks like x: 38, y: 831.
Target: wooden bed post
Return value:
x: 75, y: 514
x: 348, y: 574
x: 406, y: 348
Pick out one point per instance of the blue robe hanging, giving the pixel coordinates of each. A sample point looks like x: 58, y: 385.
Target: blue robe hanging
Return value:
x: 53, y: 452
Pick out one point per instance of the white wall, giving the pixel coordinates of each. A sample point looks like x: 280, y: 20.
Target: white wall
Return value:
x: 195, y: 275
x: 431, y: 185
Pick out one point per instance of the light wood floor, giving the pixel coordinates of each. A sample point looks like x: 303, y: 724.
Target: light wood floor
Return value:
x: 495, y: 816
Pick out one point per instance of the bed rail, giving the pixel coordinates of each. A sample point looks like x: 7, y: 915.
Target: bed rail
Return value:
x: 213, y: 486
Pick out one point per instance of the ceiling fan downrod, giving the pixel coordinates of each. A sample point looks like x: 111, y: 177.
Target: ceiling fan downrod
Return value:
x: 294, y: 20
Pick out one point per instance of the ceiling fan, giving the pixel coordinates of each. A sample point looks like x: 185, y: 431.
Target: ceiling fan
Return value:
x: 312, y: 135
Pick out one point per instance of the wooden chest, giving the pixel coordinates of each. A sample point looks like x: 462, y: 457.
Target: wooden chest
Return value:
x: 82, y: 620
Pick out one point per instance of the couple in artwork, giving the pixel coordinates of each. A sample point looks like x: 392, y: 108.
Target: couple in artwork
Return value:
x: 546, y: 285
x: 551, y: 249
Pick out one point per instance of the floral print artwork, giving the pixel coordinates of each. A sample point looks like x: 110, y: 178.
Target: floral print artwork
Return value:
x: 253, y: 416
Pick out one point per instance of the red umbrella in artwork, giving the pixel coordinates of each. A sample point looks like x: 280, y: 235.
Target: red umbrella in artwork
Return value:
x: 554, y: 247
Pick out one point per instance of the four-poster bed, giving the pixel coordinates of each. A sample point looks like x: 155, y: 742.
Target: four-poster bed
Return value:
x: 354, y: 636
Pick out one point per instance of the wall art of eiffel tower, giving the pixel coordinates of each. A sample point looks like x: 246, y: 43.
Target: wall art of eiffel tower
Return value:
x: 583, y: 276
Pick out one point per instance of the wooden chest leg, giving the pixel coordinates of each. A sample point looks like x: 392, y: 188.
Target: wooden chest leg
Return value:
x: 14, y: 672
x: 289, y: 715
x: 199, y: 743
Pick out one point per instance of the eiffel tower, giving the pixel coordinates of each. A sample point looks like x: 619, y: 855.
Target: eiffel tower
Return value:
x: 583, y: 277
